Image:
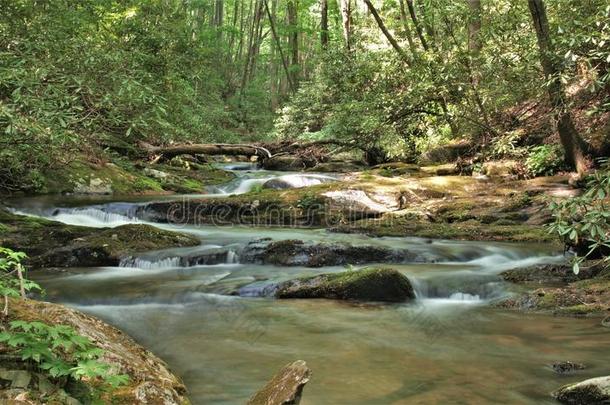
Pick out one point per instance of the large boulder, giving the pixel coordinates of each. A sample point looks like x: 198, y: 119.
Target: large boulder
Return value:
x: 54, y: 244
x: 311, y: 254
x: 588, y: 392
x: 384, y: 285
x: 285, y: 388
x: 150, y: 379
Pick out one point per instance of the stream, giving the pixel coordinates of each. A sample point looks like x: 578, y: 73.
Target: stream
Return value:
x: 212, y: 324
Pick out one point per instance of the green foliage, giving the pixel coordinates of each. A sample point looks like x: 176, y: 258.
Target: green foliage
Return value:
x: 584, y: 222
x: 309, y: 201
x: 257, y: 189
x: 57, y: 350
x: 61, y: 352
x: 13, y: 275
x: 544, y: 160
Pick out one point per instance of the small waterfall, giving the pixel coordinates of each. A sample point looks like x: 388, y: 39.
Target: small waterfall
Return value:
x: 232, y: 257
x: 96, y: 216
x: 144, y: 264
x: 459, y: 286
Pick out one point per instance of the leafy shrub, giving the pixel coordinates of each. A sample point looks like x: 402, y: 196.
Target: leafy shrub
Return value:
x: 544, y: 160
x: 57, y: 350
x: 309, y: 201
x: 583, y: 223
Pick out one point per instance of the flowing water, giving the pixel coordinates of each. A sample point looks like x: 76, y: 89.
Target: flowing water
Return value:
x: 206, y: 314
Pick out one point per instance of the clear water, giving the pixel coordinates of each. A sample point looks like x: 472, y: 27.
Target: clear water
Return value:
x: 449, y: 346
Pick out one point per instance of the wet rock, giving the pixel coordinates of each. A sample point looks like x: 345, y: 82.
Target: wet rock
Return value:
x: 94, y: 186
x: 606, y: 322
x: 356, y: 203
x: 383, y: 285
x: 285, y: 163
x: 588, y: 392
x: 310, y: 254
x: 285, y: 388
x: 500, y: 168
x: 566, y: 367
x: 337, y: 167
x: 551, y: 273
x: 296, y: 181
x: 121, y: 352
x: 446, y: 153
x: 106, y: 247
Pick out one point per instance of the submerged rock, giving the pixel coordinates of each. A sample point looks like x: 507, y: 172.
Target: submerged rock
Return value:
x: 592, y: 391
x: 384, y: 285
x: 285, y: 388
x: 311, y: 254
x: 606, y: 322
x: 566, y: 367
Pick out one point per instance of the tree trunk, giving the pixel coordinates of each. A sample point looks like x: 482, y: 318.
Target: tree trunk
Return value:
x: 279, y: 46
x: 324, y: 24
x: 346, y: 18
x: 474, y: 47
x: 385, y: 31
x: 574, y: 146
x: 168, y: 152
x: 294, y: 40
x: 407, y: 29
x: 418, y: 28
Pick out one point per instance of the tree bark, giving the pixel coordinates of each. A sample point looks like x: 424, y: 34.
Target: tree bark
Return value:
x: 573, y: 144
x: 279, y: 46
x: 346, y: 19
x: 169, y: 152
x: 324, y: 24
x: 385, y: 31
x: 418, y: 28
x: 293, y: 40
x: 407, y: 29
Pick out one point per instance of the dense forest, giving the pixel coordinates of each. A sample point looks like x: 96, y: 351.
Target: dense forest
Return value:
x: 395, y: 77
x: 411, y: 196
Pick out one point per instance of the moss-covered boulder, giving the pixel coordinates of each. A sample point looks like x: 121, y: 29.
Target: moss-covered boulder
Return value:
x: 383, y: 285
x: 591, y: 391
x: 53, y: 244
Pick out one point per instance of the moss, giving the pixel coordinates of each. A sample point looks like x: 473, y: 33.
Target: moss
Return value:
x: 50, y: 243
x: 364, y: 285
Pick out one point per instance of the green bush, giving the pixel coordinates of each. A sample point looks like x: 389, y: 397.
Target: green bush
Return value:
x: 57, y: 350
x: 583, y: 223
x: 544, y: 160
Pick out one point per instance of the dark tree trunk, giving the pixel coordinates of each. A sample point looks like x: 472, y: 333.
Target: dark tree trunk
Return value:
x: 385, y: 31
x: 294, y: 40
x: 574, y: 146
x: 418, y: 28
x: 324, y: 24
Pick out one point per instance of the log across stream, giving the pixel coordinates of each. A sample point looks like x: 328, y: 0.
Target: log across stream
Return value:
x: 212, y: 323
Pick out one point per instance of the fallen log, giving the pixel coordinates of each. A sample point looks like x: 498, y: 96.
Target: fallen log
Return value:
x: 168, y: 152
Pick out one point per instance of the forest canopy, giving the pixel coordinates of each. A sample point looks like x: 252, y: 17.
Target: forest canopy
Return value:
x: 399, y: 77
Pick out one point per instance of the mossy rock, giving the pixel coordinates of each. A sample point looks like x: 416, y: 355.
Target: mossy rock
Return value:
x: 591, y: 391
x: 53, y: 244
x: 383, y: 285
